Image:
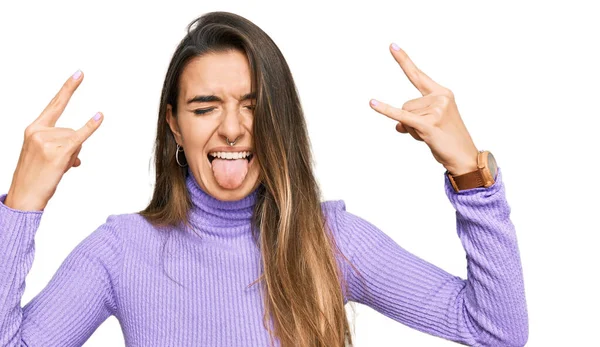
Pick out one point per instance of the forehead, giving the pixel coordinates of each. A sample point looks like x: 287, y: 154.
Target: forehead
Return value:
x: 225, y: 74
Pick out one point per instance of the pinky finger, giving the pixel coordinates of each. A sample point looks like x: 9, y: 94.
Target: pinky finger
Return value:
x: 77, y: 162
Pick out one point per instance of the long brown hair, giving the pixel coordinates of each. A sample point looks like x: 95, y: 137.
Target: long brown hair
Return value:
x: 302, y: 285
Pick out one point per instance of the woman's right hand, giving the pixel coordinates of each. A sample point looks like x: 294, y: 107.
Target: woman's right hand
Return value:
x: 48, y: 152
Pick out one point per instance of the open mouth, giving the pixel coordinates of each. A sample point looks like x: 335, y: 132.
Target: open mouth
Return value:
x: 248, y: 158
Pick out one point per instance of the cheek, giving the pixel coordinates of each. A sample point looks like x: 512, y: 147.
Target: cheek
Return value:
x: 197, y: 134
x: 248, y: 120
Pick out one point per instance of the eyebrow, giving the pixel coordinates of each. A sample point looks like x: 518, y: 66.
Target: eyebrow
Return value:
x: 210, y: 98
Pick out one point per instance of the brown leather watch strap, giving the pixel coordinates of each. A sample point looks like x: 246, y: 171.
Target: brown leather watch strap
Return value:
x: 483, y: 176
x: 469, y: 180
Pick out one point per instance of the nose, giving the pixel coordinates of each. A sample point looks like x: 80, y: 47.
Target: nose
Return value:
x: 231, y: 126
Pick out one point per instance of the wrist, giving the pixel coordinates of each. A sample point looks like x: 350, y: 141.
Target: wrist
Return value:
x: 22, y: 204
x: 463, y: 168
x: 466, y: 165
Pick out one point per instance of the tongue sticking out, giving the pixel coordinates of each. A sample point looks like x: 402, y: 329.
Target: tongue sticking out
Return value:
x: 230, y: 173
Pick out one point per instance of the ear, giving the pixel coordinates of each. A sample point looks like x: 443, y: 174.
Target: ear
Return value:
x: 172, y: 121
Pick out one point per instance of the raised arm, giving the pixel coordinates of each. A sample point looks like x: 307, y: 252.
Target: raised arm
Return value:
x: 78, y: 298
x: 486, y: 309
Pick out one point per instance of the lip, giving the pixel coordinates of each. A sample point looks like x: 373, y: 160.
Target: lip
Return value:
x: 230, y: 149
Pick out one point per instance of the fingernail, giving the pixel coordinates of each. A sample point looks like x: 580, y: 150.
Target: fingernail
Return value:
x: 395, y: 47
x: 374, y: 102
x: 97, y: 116
x: 76, y: 75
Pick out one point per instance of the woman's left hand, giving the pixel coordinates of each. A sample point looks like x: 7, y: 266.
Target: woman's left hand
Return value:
x: 433, y: 119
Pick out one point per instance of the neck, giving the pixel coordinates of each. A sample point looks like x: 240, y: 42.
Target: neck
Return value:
x: 212, y: 217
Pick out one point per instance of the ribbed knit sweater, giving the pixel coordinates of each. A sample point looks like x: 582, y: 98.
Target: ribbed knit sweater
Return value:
x: 119, y: 269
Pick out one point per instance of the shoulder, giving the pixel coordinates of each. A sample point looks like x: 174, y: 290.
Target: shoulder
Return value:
x: 336, y: 218
x: 332, y: 206
x: 353, y: 233
x: 102, y: 247
x: 125, y: 230
x: 342, y: 220
x: 128, y: 219
x: 108, y: 235
x: 121, y: 238
x: 133, y: 226
x: 118, y: 223
x: 332, y: 209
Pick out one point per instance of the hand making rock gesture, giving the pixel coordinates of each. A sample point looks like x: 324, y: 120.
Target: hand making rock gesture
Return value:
x: 432, y: 118
x: 48, y: 152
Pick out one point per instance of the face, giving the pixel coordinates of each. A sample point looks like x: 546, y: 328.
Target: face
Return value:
x: 214, y: 104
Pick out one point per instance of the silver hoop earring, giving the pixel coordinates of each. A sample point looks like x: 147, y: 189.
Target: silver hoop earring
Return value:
x: 179, y: 149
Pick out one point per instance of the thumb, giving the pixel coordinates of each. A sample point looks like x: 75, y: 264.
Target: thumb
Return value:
x: 407, y: 118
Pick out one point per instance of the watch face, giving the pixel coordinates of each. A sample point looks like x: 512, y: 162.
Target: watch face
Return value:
x: 492, y: 165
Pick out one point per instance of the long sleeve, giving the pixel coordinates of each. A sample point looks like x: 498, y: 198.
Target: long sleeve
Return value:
x: 486, y: 309
x: 77, y: 299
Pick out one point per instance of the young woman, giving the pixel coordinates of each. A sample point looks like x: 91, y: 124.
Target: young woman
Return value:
x: 235, y: 247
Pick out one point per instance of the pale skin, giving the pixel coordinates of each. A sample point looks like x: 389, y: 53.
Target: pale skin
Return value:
x: 433, y: 119
x: 48, y: 152
x: 227, y: 76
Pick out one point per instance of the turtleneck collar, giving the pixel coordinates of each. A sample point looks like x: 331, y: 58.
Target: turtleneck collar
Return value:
x: 218, y: 218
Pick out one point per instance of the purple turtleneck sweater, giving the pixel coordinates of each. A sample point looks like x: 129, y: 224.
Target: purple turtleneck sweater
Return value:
x: 119, y: 270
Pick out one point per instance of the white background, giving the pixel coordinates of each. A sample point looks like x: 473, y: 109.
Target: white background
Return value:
x: 525, y: 78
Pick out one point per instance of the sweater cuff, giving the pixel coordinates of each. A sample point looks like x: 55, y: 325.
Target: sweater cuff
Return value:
x: 480, y: 197
x: 11, y: 219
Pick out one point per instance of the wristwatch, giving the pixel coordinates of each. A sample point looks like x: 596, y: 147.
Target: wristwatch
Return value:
x: 484, y: 176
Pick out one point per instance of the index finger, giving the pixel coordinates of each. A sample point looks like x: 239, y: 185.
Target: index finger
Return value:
x: 57, y: 105
x: 417, y: 77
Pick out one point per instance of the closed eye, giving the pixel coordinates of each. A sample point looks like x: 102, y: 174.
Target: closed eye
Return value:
x: 206, y: 110
x: 203, y: 110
